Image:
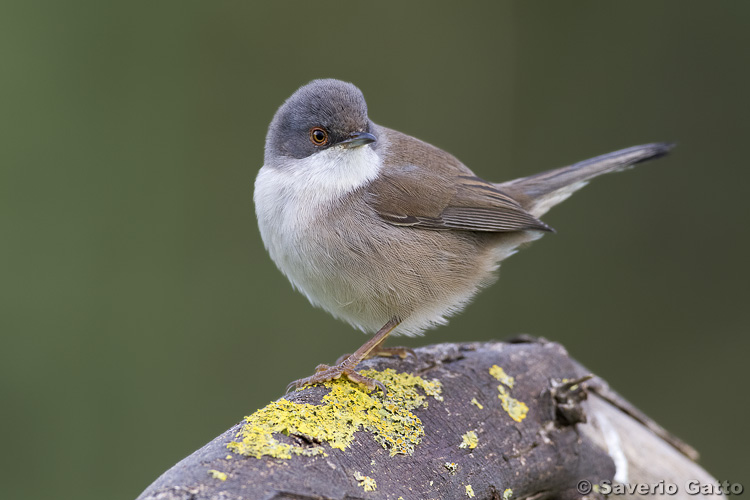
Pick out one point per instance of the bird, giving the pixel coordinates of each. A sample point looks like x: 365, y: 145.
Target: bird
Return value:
x: 387, y: 232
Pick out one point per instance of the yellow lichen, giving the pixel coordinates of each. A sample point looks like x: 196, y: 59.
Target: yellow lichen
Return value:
x: 515, y: 408
x: 470, y: 440
x: 503, y: 377
x: 469, y: 491
x: 477, y: 403
x: 367, y: 483
x: 222, y: 476
x: 346, y: 409
x: 507, y: 494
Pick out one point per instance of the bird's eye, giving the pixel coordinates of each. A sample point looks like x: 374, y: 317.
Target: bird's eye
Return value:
x: 318, y: 136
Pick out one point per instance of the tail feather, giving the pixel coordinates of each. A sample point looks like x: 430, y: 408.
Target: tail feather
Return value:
x: 540, y: 192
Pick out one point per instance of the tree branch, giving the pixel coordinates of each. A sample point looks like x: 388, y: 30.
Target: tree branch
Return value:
x: 503, y: 420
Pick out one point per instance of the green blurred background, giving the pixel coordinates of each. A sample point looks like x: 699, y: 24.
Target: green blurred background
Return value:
x: 140, y: 315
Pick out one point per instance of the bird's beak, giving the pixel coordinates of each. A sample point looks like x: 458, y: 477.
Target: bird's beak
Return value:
x: 357, y: 139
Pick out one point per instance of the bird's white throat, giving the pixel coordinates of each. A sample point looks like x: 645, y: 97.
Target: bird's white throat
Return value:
x: 316, y: 181
x: 292, y: 196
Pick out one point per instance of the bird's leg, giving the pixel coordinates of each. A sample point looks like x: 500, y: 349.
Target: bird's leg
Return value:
x: 324, y: 373
x: 401, y: 352
x: 379, y: 350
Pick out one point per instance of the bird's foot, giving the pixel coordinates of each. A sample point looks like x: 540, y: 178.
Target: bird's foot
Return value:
x: 346, y: 364
x: 401, y: 352
x: 325, y: 373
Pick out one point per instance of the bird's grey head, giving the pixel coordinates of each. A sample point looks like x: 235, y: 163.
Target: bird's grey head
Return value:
x: 320, y: 115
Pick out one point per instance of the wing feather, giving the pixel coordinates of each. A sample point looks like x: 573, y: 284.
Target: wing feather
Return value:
x: 427, y: 188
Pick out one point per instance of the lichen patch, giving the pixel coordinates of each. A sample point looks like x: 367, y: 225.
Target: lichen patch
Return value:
x: 346, y: 409
x: 513, y: 407
x: 366, y: 482
x: 221, y: 476
x: 503, y: 377
x: 470, y: 440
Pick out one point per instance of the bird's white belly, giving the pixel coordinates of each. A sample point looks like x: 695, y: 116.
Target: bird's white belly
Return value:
x: 316, y: 263
x: 294, y: 208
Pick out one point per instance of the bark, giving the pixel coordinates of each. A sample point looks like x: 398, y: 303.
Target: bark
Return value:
x: 576, y: 432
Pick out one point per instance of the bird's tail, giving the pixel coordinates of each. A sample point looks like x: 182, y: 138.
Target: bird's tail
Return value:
x: 540, y: 192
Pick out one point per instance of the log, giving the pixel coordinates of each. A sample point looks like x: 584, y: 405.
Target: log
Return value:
x: 492, y: 420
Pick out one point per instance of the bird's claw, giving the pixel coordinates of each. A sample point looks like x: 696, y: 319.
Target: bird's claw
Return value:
x: 325, y: 373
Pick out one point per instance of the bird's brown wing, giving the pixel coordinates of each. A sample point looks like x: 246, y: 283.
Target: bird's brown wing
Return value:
x: 426, y: 187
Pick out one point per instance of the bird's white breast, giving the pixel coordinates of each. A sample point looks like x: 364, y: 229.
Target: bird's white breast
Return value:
x: 292, y: 201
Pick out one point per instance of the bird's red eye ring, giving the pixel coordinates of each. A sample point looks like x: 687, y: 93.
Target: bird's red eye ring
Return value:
x: 318, y: 136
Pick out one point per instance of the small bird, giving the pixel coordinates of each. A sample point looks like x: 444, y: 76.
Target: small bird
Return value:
x: 385, y: 231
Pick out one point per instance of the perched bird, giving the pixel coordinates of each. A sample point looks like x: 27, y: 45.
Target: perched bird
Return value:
x: 387, y: 232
